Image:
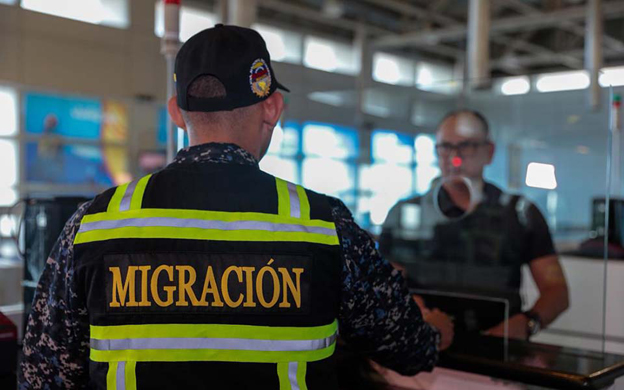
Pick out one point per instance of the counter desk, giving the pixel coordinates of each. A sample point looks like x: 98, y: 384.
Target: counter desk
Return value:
x: 547, y: 366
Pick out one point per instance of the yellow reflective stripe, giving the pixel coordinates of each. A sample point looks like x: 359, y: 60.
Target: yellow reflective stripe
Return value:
x: 111, y: 376
x: 301, y: 375
x: 213, y: 355
x: 139, y: 190
x: 283, y: 198
x: 304, y: 203
x: 282, y: 374
x: 115, y: 202
x: 203, y: 234
x: 130, y: 376
x: 116, y: 332
x: 206, y: 215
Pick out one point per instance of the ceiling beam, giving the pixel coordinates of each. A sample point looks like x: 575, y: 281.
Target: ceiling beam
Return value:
x: 572, y: 27
x: 405, y: 8
x: 544, y: 59
x: 451, y: 24
x: 319, y: 17
x: 312, y: 14
x: 563, y: 58
x: 612, y: 9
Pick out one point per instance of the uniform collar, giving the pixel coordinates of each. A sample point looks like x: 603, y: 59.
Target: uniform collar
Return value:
x: 219, y: 153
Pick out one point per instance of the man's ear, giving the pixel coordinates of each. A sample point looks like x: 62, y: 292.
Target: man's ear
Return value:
x: 273, y: 107
x: 176, y: 113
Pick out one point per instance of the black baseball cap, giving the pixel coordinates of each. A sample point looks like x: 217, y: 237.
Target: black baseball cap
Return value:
x: 236, y: 56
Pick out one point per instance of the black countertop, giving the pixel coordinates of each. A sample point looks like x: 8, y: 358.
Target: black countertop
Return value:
x: 535, y: 364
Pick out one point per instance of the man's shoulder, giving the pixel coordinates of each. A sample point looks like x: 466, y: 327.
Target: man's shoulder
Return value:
x: 99, y: 203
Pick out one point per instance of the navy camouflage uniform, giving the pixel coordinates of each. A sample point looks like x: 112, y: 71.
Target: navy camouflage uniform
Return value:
x: 377, y: 316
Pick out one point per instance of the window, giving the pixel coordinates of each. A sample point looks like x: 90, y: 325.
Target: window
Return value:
x: 541, y: 176
x: 8, y: 197
x: 426, y: 162
x: 9, y: 158
x: 281, y: 159
x: 563, y: 81
x: 329, y: 160
x: 9, y: 176
x: 435, y: 78
x: 328, y: 176
x: 392, y: 147
x: 8, y: 162
x: 284, y: 46
x: 8, y: 112
x: 329, y: 141
x: 389, y: 178
x: 612, y: 77
x: 515, y: 85
x: 284, y: 168
x: 386, y: 184
x: 393, y: 69
x: 192, y: 21
x: 330, y: 56
x: 112, y: 13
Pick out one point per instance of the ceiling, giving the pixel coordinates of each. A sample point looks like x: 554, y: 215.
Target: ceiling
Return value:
x: 527, y: 36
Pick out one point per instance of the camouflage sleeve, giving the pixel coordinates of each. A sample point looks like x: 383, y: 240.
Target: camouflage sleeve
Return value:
x: 56, y: 343
x: 378, y: 317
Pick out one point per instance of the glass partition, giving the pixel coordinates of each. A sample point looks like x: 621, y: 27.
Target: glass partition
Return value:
x: 504, y: 241
x: 538, y: 205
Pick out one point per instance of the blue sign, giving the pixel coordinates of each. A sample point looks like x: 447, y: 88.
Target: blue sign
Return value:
x: 63, y: 116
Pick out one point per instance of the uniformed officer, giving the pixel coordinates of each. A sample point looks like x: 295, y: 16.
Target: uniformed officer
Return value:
x: 483, y: 252
x: 213, y: 274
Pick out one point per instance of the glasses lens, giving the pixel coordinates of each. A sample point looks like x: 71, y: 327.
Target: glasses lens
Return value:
x: 467, y: 149
x: 444, y: 149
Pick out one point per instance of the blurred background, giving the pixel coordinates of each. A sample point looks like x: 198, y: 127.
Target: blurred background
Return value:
x: 82, y: 108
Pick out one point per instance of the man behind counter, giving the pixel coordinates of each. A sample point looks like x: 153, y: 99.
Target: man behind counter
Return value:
x: 483, y: 252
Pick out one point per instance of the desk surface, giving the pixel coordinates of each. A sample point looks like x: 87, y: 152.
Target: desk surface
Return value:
x: 538, y: 364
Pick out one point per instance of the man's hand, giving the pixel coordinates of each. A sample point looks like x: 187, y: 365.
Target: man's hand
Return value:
x: 443, y: 323
x: 517, y: 328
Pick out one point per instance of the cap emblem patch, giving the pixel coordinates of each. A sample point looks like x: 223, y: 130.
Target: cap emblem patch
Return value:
x: 260, y: 78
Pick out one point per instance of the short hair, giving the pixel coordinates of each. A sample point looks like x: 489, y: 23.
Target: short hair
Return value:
x: 207, y: 87
x: 485, y: 126
x: 210, y: 87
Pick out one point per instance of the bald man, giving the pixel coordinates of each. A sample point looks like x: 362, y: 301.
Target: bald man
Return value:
x: 483, y: 251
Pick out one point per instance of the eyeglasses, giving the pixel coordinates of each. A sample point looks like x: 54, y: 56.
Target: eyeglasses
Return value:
x: 463, y: 149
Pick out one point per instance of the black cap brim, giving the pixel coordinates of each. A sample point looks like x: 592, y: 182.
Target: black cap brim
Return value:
x: 280, y: 86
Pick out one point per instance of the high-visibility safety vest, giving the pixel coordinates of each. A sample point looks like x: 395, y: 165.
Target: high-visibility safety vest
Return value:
x: 215, y: 276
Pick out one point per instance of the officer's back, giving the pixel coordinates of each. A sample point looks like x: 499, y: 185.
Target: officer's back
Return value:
x: 214, y: 274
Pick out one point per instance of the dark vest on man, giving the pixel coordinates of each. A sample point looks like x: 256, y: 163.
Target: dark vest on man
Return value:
x: 477, y: 256
x: 210, y: 276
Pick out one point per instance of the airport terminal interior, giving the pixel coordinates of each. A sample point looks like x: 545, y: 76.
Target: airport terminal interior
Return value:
x: 83, y: 107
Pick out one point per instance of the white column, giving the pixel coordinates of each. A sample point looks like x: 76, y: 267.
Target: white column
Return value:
x: 221, y: 9
x: 242, y: 12
x: 479, y: 43
x: 593, y: 49
x: 364, y: 54
x: 170, y: 44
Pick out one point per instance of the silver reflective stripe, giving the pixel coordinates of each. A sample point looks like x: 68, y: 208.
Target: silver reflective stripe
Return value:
x: 203, y: 224
x: 121, y: 376
x: 295, y: 205
x: 127, y: 198
x: 292, y: 375
x: 213, y: 343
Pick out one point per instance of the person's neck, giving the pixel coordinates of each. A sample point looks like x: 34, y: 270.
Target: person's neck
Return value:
x: 478, y: 183
x: 248, y: 144
x: 478, y: 186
